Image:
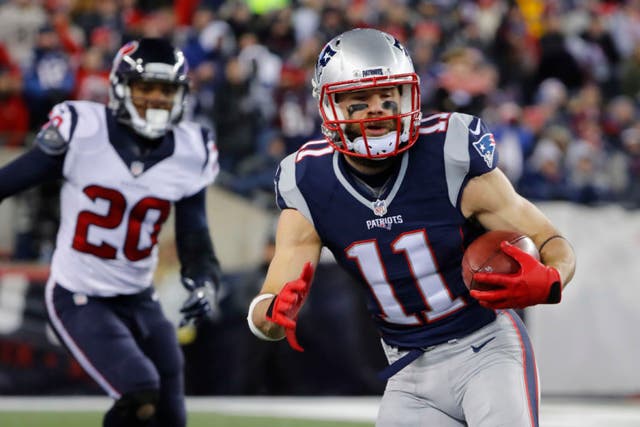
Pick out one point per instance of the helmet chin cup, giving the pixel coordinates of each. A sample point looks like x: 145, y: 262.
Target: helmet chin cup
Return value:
x: 157, y: 122
x: 378, y: 147
x: 157, y: 117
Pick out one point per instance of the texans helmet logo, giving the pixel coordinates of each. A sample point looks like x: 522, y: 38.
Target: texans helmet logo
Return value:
x: 129, y: 48
x: 126, y: 50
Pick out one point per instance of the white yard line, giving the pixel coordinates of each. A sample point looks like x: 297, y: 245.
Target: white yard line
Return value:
x: 554, y: 412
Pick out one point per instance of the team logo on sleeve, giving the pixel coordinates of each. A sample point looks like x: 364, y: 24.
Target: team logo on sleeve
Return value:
x: 486, y: 146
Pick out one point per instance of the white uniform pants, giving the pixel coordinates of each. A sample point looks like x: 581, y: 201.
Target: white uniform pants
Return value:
x: 486, y: 379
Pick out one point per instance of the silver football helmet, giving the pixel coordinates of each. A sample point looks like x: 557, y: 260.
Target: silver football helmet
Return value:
x: 364, y: 59
x: 154, y: 60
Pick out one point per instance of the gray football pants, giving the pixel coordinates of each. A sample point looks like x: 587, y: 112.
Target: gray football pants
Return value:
x: 486, y: 379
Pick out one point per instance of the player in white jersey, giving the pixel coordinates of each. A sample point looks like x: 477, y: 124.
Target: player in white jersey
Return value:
x: 397, y: 199
x: 123, y: 167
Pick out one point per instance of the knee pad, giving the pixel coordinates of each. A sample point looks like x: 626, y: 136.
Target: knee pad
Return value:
x: 133, y: 409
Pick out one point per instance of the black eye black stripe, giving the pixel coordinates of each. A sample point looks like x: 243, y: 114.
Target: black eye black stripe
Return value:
x: 390, y: 105
x: 387, y: 105
x: 356, y: 107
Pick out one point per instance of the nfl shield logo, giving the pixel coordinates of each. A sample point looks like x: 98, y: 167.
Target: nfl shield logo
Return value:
x: 380, y: 207
x: 136, y: 168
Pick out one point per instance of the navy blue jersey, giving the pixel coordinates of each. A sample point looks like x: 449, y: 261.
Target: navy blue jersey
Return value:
x: 406, y: 244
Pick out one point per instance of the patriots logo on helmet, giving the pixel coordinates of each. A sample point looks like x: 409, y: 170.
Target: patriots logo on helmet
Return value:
x: 326, y: 56
x: 486, y: 147
x: 324, y: 59
x: 397, y: 44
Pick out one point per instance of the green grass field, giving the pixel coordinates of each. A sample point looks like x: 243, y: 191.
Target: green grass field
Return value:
x: 197, y: 419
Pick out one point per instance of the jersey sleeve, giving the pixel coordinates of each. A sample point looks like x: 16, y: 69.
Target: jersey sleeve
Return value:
x: 482, y: 148
x: 31, y: 168
x: 211, y: 166
x: 469, y: 151
x: 54, y: 136
x: 288, y: 194
x: 207, y: 167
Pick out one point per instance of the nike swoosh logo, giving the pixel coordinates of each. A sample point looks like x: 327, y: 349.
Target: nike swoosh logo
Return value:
x: 476, y: 131
x: 478, y: 348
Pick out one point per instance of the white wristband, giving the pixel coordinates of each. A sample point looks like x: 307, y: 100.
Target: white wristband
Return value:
x: 254, y: 329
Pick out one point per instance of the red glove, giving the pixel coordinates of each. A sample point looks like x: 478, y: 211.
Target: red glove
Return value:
x: 286, y: 305
x: 534, y: 283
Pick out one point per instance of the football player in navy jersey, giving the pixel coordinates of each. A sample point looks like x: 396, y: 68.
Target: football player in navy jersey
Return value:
x: 123, y: 167
x: 397, y: 198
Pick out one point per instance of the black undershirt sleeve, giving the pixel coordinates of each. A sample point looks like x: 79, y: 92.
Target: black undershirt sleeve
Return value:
x: 31, y: 168
x: 193, y: 242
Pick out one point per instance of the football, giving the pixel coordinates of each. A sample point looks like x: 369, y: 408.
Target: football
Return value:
x: 484, y: 255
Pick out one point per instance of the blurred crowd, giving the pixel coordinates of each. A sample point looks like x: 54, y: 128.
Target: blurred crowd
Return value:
x: 558, y: 81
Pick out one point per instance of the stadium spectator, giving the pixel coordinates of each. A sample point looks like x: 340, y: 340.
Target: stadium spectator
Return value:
x: 92, y: 77
x: 20, y: 22
x: 14, y: 115
x: 297, y: 117
x: 104, y: 14
x: 587, y: 166
x: 619, y: 114
x: 624, y: 24
x: 236, y: 116
x: 601, y: 43
x: 464, y: 82
x: 556, y: 59
x: 514, y: 141
x: 207, y: 45
x: 544, y: 177
x: 278, y: 34
x: 264, y: 69
x: 631, y: 145
x: 51, y: 77
x: 254, y: 173
x: 630, y: 75
x: 514, y: 51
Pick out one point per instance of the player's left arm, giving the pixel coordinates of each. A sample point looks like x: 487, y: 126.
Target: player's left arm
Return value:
x: 199, y: 267
x: 493, y: 201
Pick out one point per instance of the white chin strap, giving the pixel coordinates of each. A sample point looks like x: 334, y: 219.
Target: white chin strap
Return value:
x: 379, y: 146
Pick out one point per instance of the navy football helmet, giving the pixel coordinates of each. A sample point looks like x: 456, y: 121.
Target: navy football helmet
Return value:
x: 150, y: 60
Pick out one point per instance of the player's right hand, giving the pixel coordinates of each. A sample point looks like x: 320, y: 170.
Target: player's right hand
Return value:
x: 286, y: 305
x: 200, y: 303
x: 534, y: 283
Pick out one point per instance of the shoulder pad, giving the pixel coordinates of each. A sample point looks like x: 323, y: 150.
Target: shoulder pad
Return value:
x: 55, y: 135
x: 470, y: 144
x: 288, y: 194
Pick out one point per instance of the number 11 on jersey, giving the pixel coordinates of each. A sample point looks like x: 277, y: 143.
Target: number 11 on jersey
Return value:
x: 437, y: 298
